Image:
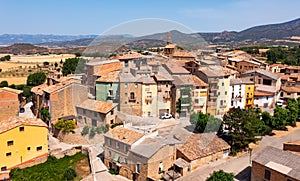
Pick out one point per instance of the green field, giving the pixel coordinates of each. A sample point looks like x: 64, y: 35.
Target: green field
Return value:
x: 52, y: 169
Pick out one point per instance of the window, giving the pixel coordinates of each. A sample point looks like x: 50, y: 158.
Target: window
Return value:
x: 289, y: 180
x: 126, y: 85
x: 267, y: 174
x: 10, y: 143
x: 251, y: 79
x: 28, y: 148
x: 137, y: 167
x: 3, y: 168
x: 117, y: 145
x: 95, y: 114
x: 225, y: 92
x: 126, y: 63
x: 125, y: 148
x: 111, y: 121
x: 135, y: 85
x: 196, y: 101
x: 131, y: 95
x: 21, y: 129
x: 94, y: 122
x: 39, y: 148
x: 160, y: 168
x: 8, y: 154
x: 84, y: 111
x: 109, y: 141
x: 111, y: 112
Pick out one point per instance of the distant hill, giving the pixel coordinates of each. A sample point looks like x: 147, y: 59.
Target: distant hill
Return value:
x: 9, y: 39
x: 23, y: 48
x: 258, y: 33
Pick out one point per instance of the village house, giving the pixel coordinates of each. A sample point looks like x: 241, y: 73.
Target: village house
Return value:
x: 138, y: 156
x: 181, y: 88
x: 10, y: 102
x: 24, y: 142
x: 290, y: 92
x: 129, y: 60
x: 199, y: 96
x: 59, y: 99
x: 96, y: 113
x: 292, y: 69
x: 149, y: 97
x: 241, y: 93
x: 277, y: 67
x: 96, y: 68
x: 290, y: 80
x: 202, y: 148
x: 130, y: 94
x: 218, y: 78
x: 164, y: 83
x: 273, y: 164
x: 108, y: 87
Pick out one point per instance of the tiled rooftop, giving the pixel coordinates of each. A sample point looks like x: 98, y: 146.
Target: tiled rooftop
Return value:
x: 110, y: 77
x: 290, y: 89
x: 216, y: 71
x: 56, y: 87
x: 124, y: 135
x: 263, y: 72
x: 175, y: 68
x: 198, y: 81
x: 201, y: 145
x: 262, y: 94
x: 183, y: 54
x: 39, y: 89
x: 20, y: 121
x: 279, y: 160
x: 129, y: 56
x: 97, y: 106
x: 238, y: 81
x: 100, y: 62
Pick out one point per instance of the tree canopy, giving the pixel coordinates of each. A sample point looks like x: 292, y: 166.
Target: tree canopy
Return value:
x: 4, y: 83
x: 36, y: 79
x: 290, y: 55
x: 73, y: 65
x: 65, y: 125
x: 220, y: 175
x: 205, y: 123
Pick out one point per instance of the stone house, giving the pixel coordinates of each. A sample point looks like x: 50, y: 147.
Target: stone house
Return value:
x: 273, y: 164
x: 60, y: 99
x: 10, y: 102
x: 96, y: 113
x: 290, y: 92
x: 131, y: 94
x: 202, y: 148
x: 138, y: 156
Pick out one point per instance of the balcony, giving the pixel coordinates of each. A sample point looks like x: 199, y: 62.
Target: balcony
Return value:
x: 131, y: 99
x: 148, y: 99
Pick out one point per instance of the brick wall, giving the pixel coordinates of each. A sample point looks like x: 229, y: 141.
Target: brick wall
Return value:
x: 9, y: 105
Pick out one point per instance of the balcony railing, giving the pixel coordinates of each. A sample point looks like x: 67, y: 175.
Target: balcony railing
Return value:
x: 131, y: 99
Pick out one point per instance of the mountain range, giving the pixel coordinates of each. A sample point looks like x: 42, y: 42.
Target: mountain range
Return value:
x: 271, y: 32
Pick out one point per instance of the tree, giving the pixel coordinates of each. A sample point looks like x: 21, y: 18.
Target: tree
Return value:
x: 36, y: 79
x: 268, y: 121
x: 4, y: 84
x: 73, y: 65
x: 280, y: 118
x: 85, y: 130
x: 65, y: 125
x: 243, y: 126
x: 45, y: 114
x: 77, y: 54
x: 220, y: 175
x: 292, y: 111
x: 205, y: 123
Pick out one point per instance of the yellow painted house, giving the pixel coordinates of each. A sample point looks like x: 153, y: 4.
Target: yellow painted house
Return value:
x: 22, y: 141
x: 249, y: 102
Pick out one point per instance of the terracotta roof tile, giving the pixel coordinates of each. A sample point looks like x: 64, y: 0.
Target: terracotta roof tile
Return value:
x: 53, y: 88
x: 124, y: 135
x: 291, y: 89
x: 201, y: 145
x: 261, y: 94
x: 175, y: 68
x: 20, y: 121
x: 129, y: 56
x: 110, y: 77
x: 98, y: 106
x: 183, y: 54
x: 198, y: 81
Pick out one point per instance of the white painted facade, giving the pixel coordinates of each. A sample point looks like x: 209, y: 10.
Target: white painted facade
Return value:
x: 237, y: 97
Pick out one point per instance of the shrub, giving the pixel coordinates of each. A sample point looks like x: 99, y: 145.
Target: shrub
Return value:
x: 85, y: 130
x: 99, y: 129
x: 92, y: 132
x: 69, y: 173
x: 65, y: 125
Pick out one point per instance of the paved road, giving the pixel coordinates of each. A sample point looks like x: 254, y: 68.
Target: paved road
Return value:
x: 27, y: 113
x: 240, y: 166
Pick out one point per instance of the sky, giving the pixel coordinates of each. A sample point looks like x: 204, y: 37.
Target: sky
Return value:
x: 83, y: 17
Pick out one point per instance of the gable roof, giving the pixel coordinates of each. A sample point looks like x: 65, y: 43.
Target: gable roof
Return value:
x: 97, y: 106
x: 110, y: 77
x: 282, y: 161
x: 14, y: 122
x: 198, y: 81
x: 175, y: 68
x: 124, y: 135
x: 201, y: 145
x: 263, y: 72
